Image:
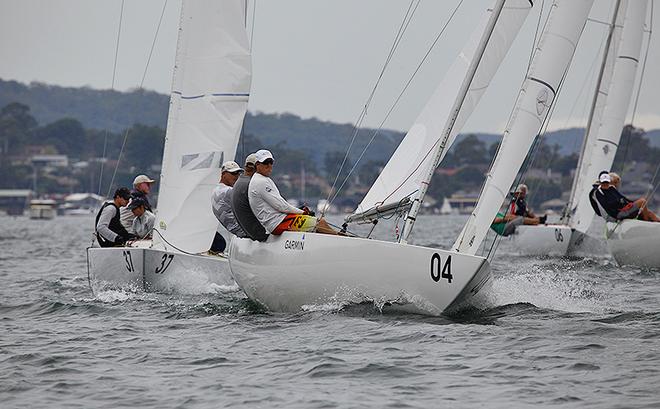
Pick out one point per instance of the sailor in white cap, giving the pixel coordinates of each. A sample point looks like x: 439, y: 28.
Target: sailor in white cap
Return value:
x: 616, y: 206
x: 271, y: 209
x: 141, y: 189
x: 221, y: 204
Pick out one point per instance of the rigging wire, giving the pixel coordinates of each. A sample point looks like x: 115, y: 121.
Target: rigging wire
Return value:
x: 396, y: 101
x: 112, y: 87
x: 410, y: 12
x: 252, y: 24
x: 123, y: 145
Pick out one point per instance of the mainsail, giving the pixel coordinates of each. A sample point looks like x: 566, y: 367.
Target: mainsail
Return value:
x: 606, y: 124
x: 209, y: 99
x: 551, y: 59
x: 406, y: 175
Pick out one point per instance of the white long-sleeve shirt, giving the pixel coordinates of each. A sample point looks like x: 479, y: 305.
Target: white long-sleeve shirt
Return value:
x: 267, y: 204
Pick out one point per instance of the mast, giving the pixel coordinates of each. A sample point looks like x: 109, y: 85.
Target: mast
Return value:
x: 455, y: 111
x: 607, y: 53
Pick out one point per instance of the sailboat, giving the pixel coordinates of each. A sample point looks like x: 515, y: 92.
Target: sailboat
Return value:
x: 556, y: 47
x: 610, y: 103
x: 208, y: 102
x: 290, y: 271
x: 446, y: 207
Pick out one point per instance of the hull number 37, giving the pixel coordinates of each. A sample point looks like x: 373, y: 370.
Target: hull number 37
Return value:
x: 439, y: 270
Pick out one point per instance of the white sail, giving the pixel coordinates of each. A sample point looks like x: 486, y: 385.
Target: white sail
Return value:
x: 438, y: 124
x: 209, y: 98
x: 551, y: 59
x: 596, y: 113
x: 605, y: 130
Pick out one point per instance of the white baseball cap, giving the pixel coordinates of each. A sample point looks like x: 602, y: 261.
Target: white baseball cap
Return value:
x: 251, y: 159
x: 263, y: 154
x: 605, y: 178
x: 231, y: 167
x: 142, y: 179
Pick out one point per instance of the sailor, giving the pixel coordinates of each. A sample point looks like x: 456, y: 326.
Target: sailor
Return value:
x: 619, y: 207
x: 271, y: 209
x: 109, y: 230
x: 143, y: 223
x: 221, y: 204
x: 594, y: 203
x: 141, y: 189
x: 240, y: 203
x: 518, y: 214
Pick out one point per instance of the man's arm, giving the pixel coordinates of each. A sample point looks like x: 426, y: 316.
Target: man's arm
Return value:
x: 103, y: 226
x: 276, y: 201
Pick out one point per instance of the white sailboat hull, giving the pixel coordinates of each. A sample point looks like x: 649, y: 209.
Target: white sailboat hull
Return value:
x: 151, y: 270
x: 635, y: 242
x: 294, y: 270
x: 586, y: 245
x: 542, y: 240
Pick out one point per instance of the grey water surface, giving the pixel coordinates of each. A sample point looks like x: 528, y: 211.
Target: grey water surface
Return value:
x: 569, y: 333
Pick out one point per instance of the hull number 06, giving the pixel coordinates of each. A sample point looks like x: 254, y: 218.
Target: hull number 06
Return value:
x: 439, y: 270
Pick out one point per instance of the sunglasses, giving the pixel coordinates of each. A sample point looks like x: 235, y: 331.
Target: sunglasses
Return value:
x: 268, y: 162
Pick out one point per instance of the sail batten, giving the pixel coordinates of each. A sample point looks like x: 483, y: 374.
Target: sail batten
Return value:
x: 210, y: 91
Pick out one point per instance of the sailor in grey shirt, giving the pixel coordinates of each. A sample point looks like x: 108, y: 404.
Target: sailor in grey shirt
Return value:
x: 241, y: 204
x: 221, y: 198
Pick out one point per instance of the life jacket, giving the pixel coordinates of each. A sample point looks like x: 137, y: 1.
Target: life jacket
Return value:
x: 114, y: 225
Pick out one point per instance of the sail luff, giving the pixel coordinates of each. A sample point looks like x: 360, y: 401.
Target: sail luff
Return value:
x: 597, y: 104
x: 211, y: 85
x: 405, y: 175
x: 550, y: 62
x: 603, y: 144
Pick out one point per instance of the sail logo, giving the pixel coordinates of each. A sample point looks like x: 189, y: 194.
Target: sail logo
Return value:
x: 541, y: 101
x: 202, y: 160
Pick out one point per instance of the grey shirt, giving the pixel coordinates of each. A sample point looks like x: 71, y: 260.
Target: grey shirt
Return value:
x: 242, y: 211
x: 221, y: 202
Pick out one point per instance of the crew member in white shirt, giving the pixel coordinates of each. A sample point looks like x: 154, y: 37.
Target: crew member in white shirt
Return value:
x: 272, y: 210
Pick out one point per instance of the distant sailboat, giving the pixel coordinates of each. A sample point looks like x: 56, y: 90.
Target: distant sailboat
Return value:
x: 549, y: 64
x: 610, y: 103
x: 209, y: 98
x: 446, y: 207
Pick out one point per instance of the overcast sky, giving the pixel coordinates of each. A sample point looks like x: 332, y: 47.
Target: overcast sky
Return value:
x: 313, y: 58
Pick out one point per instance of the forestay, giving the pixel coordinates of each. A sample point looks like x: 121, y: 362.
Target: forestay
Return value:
x: 209, y: 99
x: 604, y: 132
x: 551, y: 59
x: 448, y: 109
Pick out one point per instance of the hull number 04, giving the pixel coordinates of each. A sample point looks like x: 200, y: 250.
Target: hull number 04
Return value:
x: 439, y: 270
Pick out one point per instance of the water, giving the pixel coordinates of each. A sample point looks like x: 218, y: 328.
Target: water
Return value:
x: 560, y: 333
